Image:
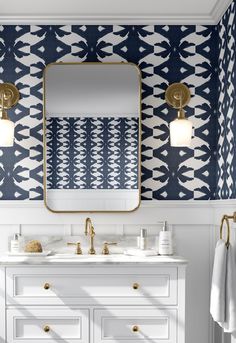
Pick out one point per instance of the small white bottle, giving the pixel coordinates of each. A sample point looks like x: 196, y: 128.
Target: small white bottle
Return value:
x: 143, y: 239
x: 21, y: 240
x: 165, y: 241
x: 15, y: 244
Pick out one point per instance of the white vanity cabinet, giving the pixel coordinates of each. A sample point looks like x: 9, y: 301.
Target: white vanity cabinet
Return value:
x: 93, y: 303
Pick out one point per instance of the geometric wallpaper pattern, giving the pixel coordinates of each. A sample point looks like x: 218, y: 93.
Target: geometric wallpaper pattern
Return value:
x: 226, y: 162
x: 92, y: 153
x: 165, y: 54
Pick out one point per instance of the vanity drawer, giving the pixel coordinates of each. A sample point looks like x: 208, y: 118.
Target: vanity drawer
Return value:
x: 137, y: 324
x: 128, y: 286
x: 47, y: 325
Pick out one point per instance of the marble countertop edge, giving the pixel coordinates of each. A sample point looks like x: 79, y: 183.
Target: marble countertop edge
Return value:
x: 84, y: 260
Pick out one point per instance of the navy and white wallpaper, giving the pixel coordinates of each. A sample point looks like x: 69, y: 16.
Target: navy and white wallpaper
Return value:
x: 226, y: 162
x: 165, y: 54
x: 92, y: 153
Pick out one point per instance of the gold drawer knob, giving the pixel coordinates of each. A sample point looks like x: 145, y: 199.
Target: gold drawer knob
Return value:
x: 46, y: 285
x: 135, y: 285
x: 46, y: 328
x: 135, y: 328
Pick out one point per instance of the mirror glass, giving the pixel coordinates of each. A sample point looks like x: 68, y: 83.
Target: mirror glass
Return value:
x: 92, y: 137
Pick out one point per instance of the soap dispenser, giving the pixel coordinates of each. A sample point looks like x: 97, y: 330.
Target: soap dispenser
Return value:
x: 165, y: 241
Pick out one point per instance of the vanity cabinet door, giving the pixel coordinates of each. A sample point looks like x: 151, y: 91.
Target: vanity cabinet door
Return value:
x: 47, y: 325
x: 111, y: 286
x: 137, y: 324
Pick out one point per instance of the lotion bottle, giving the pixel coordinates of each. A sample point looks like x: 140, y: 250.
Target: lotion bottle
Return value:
x: 143, y: 239
x: 165, y: 241
x: 15, y: 244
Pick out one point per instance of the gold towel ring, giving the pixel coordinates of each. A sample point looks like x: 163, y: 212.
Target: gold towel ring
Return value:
x: 225, y: 218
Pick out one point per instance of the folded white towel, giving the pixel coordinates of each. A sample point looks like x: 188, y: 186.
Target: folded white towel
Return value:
x: 217, y: 304
x: 229, y: 324
x: 223, y: 294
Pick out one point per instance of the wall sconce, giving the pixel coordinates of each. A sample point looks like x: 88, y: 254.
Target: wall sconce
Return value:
x: 178, y: 96
x: 9, y: 97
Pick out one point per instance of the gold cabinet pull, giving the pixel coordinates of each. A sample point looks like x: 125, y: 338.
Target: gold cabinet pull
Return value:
x: 46, y: 285
x: 135, y: 285
x: 46, y: 328
x: 135, y: 328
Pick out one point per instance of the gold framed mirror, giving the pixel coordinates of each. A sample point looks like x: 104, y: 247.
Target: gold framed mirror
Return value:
x: 92, y: 137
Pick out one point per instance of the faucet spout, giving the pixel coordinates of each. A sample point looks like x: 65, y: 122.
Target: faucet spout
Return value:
x: 89, y: 230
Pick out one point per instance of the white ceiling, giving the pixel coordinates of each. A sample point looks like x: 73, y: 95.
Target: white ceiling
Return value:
x: 112, y: 11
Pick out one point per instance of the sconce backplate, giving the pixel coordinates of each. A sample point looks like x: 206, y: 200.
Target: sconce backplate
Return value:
x: 10, y: 93
x: 177, y: 95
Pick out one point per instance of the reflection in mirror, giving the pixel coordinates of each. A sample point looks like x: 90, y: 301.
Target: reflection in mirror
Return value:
x: 92, y: 137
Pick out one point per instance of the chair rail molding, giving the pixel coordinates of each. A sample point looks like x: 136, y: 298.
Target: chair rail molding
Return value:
x: 202, y: 212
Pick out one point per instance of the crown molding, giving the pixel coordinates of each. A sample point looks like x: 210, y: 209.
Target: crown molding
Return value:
x: 108, y: 20
x: 219, y: 10
x: 15, y: 16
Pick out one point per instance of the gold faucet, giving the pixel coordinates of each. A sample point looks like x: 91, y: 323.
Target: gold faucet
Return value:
x: 89, y: 230
x: 105, y: 250
x: 78, y: 249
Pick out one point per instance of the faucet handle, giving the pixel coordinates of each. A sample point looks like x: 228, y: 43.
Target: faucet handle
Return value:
x: 105, y: 250
x: 78, y: 250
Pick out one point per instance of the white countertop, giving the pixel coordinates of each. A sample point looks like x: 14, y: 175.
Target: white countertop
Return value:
x: 72, y: 259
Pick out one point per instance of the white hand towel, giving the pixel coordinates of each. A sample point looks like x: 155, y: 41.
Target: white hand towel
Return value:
x: 217, y: 304
x: 229, y: 324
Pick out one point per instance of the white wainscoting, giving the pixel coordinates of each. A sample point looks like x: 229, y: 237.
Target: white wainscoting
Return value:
x: 195, y: 226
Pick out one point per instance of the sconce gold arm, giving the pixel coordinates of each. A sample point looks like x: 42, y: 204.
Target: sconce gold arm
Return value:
x: 177, y: 95
x: 9, y: 95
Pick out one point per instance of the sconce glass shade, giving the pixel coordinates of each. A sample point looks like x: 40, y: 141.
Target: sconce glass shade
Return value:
x: 180, y: 132
x: 7, y: 128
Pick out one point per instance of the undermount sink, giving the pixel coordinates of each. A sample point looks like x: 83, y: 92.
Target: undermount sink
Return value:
x: 90, y: 257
